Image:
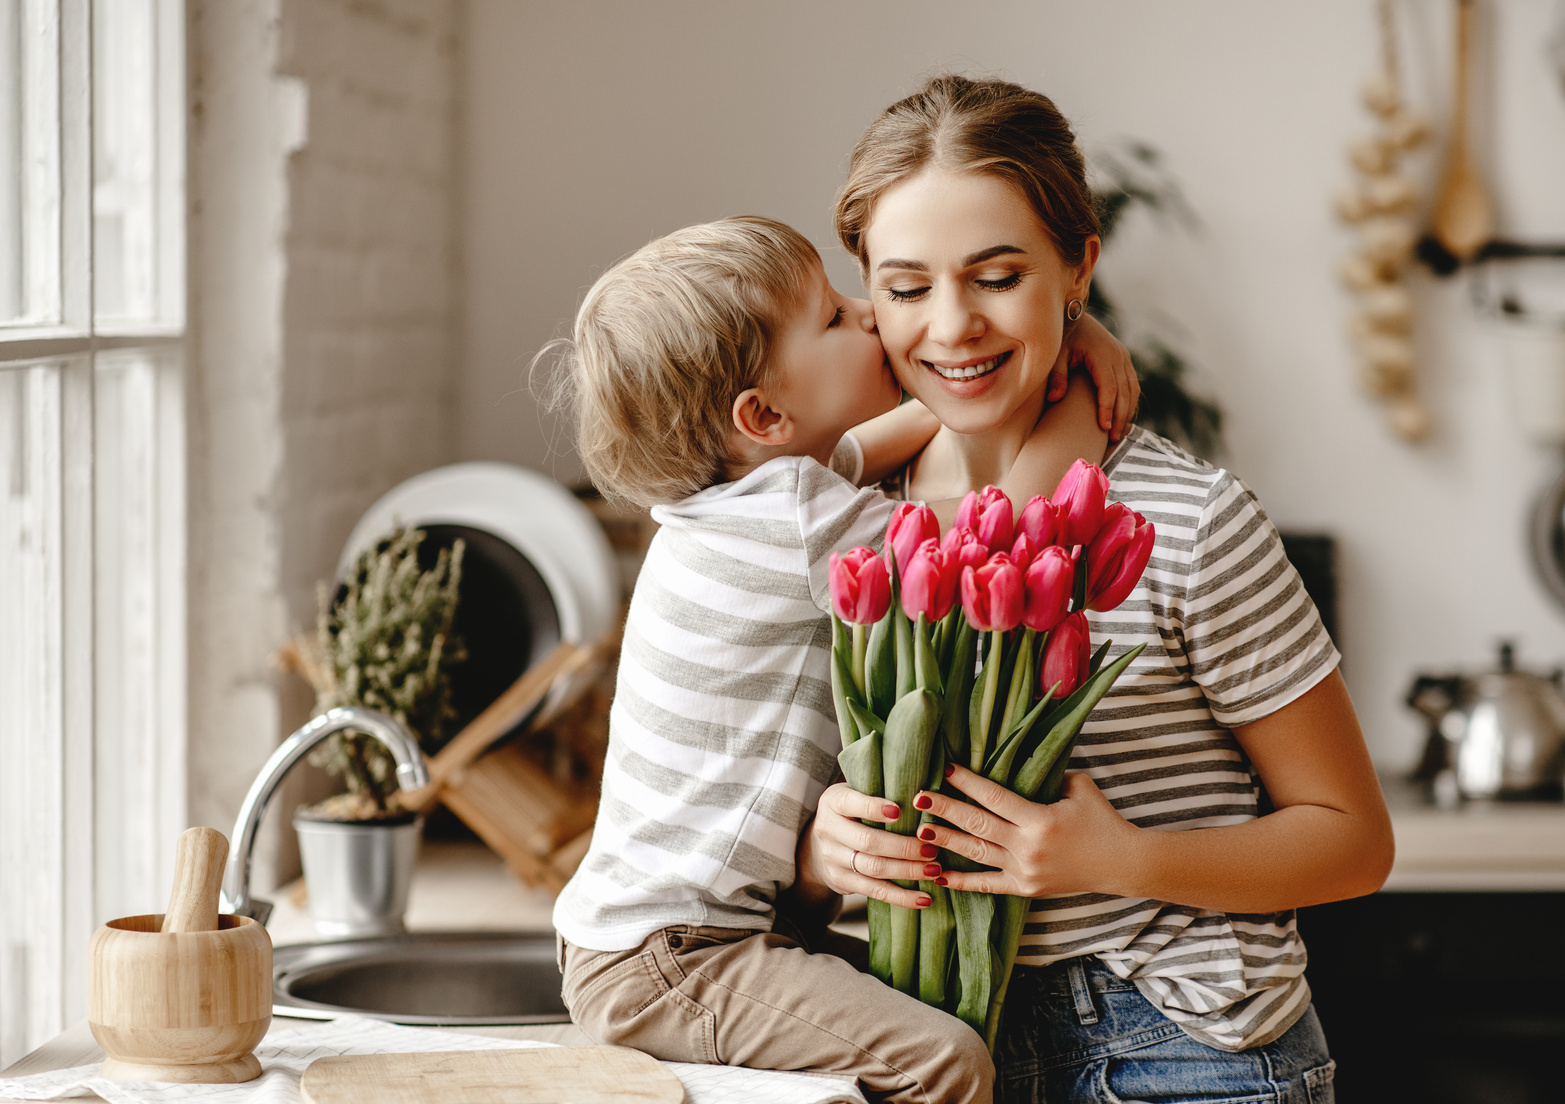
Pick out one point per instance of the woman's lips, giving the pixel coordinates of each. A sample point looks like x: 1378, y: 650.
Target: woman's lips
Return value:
x: 970, y: 370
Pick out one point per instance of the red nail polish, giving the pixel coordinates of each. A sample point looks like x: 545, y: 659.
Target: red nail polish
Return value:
x: 924, y: 902
x: 931, y: 870
x: 926, y: 833
x: 891, y: 812
x: 929, y: 851
x: 950, y: 769
x: 941, y: 882
x: 923, y: 801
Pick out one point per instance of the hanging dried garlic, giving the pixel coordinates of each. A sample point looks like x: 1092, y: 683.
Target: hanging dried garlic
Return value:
x: 1380, y: 204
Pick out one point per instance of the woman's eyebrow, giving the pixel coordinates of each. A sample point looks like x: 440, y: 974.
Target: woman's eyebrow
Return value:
x: 967, y: 262
x: 986, y: 254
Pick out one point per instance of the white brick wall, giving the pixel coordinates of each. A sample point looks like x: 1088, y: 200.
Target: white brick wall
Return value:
x: 324, y: 353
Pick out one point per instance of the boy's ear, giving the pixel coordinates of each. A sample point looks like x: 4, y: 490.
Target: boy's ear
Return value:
x: 759, y: 421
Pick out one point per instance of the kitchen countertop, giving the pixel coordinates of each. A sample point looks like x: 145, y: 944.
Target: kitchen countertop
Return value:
x: 1476, y: 847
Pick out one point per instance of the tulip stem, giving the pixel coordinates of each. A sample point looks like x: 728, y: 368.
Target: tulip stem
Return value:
x: 983, y: 714
x: 860, y: 649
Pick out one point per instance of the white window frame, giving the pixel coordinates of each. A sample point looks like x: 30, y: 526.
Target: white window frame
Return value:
x: 94, y: 792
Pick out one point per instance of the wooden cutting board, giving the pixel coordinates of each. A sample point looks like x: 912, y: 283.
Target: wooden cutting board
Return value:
x: 533, y: 1075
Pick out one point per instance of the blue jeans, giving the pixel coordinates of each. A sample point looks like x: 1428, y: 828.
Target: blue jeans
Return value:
x: 1074, y: 1032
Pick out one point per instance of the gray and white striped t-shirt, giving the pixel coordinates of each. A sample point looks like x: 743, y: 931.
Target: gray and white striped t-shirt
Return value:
x: 1231, y: 636
x: 722, y: 734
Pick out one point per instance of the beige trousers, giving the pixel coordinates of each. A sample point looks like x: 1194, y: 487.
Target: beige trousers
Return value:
x: 763, y: 1000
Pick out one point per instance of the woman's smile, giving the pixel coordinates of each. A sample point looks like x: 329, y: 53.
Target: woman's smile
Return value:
x: 966, y: 370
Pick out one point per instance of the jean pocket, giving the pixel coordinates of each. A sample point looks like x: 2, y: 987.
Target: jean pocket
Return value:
x: 1130, y: 1078
x: 632, y: 1004
x: 1320, y: 1084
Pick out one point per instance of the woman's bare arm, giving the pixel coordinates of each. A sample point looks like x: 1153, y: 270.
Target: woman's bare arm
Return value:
x: 1329, y: 837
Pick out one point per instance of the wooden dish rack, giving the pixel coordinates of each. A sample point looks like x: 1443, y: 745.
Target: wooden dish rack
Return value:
x: 540, y: 826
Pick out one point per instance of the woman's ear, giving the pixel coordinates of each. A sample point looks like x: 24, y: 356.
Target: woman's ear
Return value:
x: 1083, y: 272
x: 760, y: 421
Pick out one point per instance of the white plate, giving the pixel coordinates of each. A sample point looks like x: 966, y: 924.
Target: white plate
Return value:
x: 531, y: 512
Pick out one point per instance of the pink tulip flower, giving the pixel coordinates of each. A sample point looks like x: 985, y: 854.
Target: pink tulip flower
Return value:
x: 1039, y: 521
x: 860, y: 586
x: 1117, y: 556
x: 1048, y: 585
x: 1079, y: 500
x: 1067, y: 655
x: 989, y: 514
x: 963, y: 548
x: 992, y: 594
x: 911, y: 525
x: 928, y: 583
x: 1024, y: 551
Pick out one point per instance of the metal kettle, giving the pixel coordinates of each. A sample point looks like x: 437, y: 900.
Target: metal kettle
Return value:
x: 1500, y: 733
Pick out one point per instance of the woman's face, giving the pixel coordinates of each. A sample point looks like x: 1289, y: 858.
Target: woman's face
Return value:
x: 969, y: 295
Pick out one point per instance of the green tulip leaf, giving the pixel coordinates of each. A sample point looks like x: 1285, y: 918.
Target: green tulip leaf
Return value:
x: 1061, y: 736
x: 911, y: 728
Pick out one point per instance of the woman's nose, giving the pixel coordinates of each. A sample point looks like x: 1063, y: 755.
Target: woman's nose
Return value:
x: 953, y: 321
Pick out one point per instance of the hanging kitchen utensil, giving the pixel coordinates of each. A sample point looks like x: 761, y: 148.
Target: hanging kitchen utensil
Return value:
x: 1464, y: 216
x: 535, y: 1075
x: 1379, y: 204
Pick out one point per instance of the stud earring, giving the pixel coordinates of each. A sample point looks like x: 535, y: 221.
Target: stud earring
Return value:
x: 1073, y: 310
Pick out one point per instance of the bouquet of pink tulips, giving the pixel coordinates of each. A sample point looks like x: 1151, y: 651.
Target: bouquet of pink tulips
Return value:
x: 1000, y: 681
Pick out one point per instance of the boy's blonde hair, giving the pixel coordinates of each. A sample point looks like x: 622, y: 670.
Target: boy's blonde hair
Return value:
x: 665, y: 341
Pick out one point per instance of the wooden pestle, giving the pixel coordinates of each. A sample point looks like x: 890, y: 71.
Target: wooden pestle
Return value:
x: 198, y: 879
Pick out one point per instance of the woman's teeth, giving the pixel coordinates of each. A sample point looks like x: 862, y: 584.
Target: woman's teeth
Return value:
x: 971, y: 372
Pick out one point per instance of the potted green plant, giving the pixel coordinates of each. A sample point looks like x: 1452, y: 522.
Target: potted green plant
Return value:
x: 383, y: 639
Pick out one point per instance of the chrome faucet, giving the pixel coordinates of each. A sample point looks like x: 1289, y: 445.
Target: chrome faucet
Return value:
x: 411, y: 775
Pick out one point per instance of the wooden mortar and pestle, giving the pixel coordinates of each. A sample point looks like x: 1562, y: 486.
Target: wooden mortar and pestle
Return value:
x: 185, y: 995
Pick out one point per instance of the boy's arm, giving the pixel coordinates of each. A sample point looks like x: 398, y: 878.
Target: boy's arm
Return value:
x: 1068, y: 430
x: 893, y: 439
x: 1089, y: 344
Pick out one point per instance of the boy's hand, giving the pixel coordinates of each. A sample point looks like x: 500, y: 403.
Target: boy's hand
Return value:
x: 1108, y: 362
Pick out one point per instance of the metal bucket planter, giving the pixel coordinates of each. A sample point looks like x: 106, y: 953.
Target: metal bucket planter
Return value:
x: 358, y: 872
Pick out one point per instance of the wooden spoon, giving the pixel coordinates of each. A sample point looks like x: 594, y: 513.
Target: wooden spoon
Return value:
x: 198, y: 878
x: 1464, y: 217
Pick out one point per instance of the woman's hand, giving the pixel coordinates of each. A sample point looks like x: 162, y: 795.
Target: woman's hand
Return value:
x: 1087, y: 343
x: 846, y: 856
x: 1071, y: 846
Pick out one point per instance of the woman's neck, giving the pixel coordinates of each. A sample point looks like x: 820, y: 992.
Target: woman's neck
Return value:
x: 954, y: 463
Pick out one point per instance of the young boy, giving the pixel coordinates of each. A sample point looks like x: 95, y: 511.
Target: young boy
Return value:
x: 716, y: 375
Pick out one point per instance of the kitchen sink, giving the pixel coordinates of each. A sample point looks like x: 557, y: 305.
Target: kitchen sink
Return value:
x: 435, y: 978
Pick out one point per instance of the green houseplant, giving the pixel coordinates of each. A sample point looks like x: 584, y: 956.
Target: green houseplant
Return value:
x: 383, y: 640
x: 1129, y: 177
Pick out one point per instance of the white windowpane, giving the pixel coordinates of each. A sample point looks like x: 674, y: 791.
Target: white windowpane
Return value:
x: 138, y: 571
x: 32, y: 737
x: 29, y: 162
x: 127, y: 161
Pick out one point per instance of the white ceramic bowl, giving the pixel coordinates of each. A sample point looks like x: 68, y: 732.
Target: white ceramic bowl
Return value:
x: 531, y: 512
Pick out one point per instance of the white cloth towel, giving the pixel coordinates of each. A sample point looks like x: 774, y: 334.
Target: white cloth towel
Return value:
x: 285, y: 1055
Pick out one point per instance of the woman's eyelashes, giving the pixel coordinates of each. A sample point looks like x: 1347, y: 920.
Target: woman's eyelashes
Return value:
x: 999, y: 283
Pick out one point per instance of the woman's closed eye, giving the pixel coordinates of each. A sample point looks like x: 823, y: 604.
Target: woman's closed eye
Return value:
x: 995, y: 283
x: 1001, y: 283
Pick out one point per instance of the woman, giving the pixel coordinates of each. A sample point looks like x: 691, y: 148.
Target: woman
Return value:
x: 1161, y: 958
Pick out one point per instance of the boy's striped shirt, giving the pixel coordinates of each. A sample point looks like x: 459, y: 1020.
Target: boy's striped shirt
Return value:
x: 1231, y: 636
x: 722, y: 734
